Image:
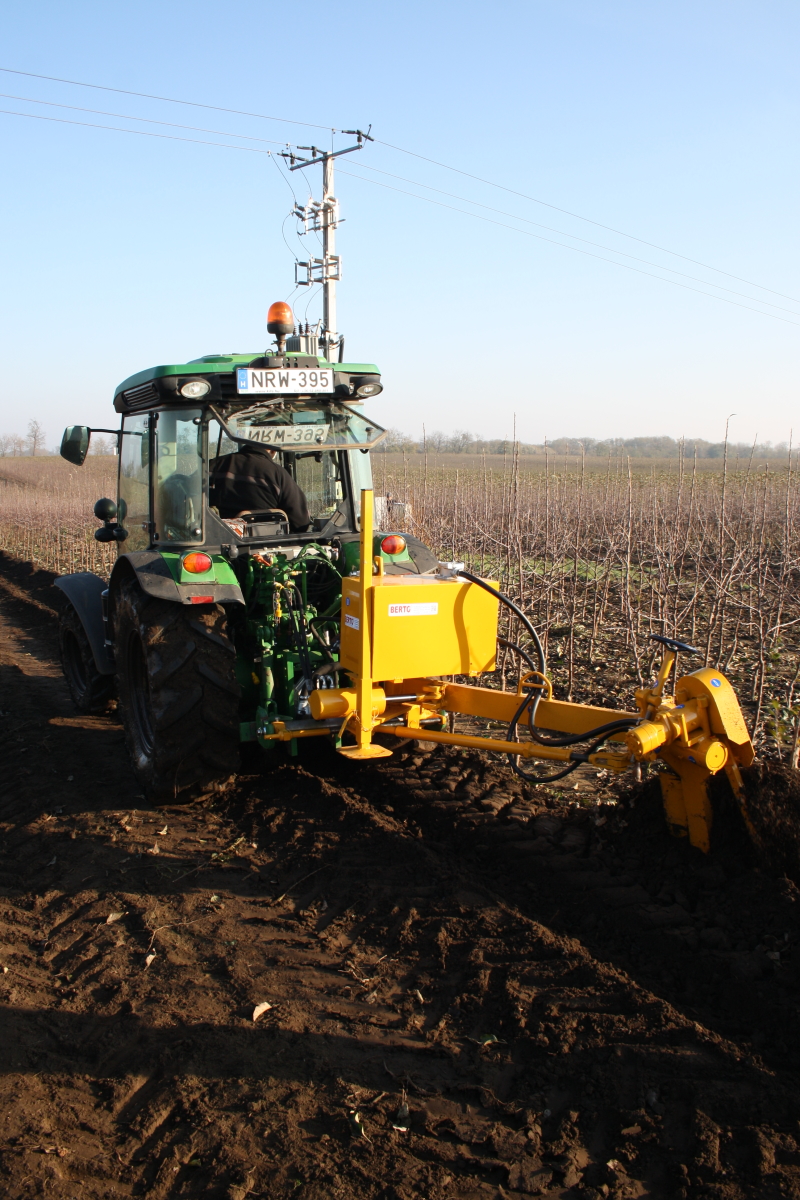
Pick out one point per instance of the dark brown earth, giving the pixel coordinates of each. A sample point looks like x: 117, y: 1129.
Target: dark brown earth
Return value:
x: 569, y: 1003
x: 774, y: 808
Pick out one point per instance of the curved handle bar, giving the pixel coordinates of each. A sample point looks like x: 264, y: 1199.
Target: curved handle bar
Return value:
x: 672, y: 644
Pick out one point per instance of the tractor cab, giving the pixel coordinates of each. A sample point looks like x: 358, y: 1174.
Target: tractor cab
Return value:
x: 178, y: 422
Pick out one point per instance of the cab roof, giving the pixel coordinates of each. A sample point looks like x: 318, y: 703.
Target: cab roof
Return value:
x: 219, y: 364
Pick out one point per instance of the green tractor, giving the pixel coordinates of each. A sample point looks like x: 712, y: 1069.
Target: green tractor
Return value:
x: 215, y: 625
x: 227, y: 619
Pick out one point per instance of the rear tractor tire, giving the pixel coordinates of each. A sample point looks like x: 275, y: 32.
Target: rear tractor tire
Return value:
x: 90, y: 690
x: 178, y: 695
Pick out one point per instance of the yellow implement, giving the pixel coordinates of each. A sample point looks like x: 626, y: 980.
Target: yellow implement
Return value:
x: 401, y: 634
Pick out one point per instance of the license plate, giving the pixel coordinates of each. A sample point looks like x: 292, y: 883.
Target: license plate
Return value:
x: 285, y: 435
x: 271, y: 381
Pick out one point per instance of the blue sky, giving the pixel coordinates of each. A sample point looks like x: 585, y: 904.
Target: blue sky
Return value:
x: 675, y: 123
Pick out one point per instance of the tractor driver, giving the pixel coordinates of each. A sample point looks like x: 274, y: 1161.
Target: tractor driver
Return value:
x: 250, y: 480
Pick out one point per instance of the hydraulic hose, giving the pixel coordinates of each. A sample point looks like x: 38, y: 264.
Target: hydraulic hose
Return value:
x: 299, y: 626
x: 600, y: 734
x: 535, y: 691
x: 514, y: 758
x: 522, y: 653
x: 316, y: 633
x: 572, y: 739
x: 534, y: 694
x: 517, y: 613
x: 307, y: 558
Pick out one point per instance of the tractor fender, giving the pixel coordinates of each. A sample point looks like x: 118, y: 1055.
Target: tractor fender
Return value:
x: 85, y: 593
x: 156, y: 579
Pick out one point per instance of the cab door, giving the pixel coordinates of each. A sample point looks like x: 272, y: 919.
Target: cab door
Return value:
x: 134, y: 481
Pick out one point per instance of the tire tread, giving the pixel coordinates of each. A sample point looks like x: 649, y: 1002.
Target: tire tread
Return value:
x: 194, y: 696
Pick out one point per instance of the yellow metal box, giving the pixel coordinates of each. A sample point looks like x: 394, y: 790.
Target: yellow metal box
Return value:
x: 419, y: 626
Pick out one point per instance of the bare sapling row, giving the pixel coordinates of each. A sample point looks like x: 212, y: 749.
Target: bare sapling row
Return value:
x: 46, y: 512
x: 603, y: 559
x: 600, y: 559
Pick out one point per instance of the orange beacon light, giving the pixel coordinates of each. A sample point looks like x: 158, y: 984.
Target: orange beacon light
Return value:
x: 280, y: 321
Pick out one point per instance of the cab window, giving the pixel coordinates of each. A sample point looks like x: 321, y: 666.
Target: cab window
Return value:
x: 361, y: 476
x: 318, y: 473
x: 178, y: 482
x: 319, y: 476
x: 134, y: 481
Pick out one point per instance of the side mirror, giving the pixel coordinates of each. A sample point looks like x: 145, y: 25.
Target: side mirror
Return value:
x: 75, y: 444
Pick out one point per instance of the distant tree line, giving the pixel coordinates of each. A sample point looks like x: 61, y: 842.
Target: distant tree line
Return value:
x: 13, y: 444
x: 463, y: 442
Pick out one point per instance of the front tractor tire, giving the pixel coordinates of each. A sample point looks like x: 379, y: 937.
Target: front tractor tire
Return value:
x: 90, y: 690
x: 178, y: 694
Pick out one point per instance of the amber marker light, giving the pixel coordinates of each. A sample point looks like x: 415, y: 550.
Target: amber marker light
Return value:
x: 393, y: 544
x: 196, y: 563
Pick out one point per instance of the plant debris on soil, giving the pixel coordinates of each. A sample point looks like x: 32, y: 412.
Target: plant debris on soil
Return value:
x: 464, y: 987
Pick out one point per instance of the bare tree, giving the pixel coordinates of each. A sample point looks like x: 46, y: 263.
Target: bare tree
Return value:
x: 396, y: 441
x: 437, y: 441
x: 16, y: 444
x: 460, y: 440
x: 103, y: 445
x: 35, y: 437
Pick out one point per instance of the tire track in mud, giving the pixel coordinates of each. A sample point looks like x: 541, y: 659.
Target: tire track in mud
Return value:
x: 423, y: 932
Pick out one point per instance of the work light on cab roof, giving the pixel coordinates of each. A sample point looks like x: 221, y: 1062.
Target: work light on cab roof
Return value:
x: 195, y: 389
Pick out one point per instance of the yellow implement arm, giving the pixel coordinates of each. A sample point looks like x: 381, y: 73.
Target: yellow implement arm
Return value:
x: 401, y: 634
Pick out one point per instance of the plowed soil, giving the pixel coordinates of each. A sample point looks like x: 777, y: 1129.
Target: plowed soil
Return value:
x: 474, y: 989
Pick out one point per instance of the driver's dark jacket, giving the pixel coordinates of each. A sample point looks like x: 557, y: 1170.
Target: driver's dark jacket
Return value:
x: 251, y: 479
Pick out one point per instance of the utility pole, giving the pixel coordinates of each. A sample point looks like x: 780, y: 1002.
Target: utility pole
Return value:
x: 322, y: 216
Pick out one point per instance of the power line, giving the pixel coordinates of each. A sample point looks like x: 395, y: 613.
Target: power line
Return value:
x: 165, y: 99
x: 413, y: 154
x: 283, y: 235
x: 402, y: 191
x: 403, y: 179
x: 100, y: 112
x: 564, y: 246
x: 281, y: 169
x: 563, y: 233
x: 578, y: 217
x: 138, y: 132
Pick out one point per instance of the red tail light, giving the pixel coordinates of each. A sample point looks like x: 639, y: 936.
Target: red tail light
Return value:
x: 196, y: 563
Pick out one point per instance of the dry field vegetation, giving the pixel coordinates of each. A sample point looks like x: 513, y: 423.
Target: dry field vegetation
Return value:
x: 46, y: 511
x: 601, y: 554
